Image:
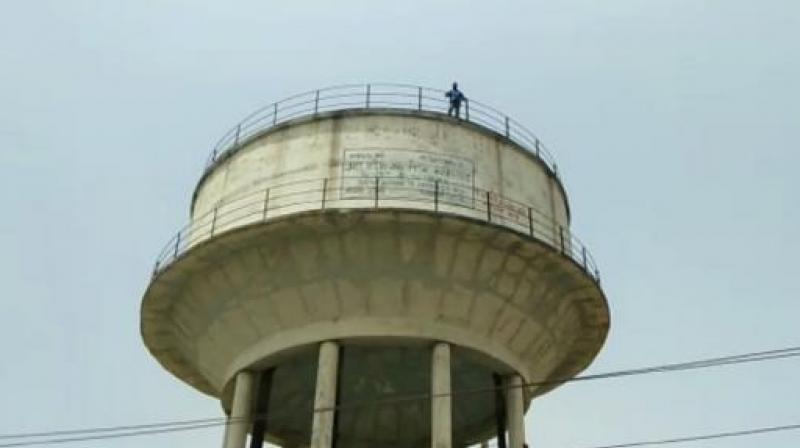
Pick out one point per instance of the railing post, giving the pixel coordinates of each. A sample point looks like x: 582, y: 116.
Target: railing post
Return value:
x: 177, y: 245
x: 214, y: 220
x: 466, y: 109
x: 155, y: 267
x: 236, y: 138
x: 266, y: 205
x: 213, y: 155
x: 555, y: 170
x: 274, y: 113
x: 419, y: 98
x: 324, y: 189
x: 508, y: 129
x: 597, y: 275
x: 377, y: 181
x: 368, y: 93
x: 436, y: 196
x: 538, y: 148
x: 583, y: 252
x: 489, y: 206
x: 561, y: 236
x: 530, y: 221
x: 316, y: 103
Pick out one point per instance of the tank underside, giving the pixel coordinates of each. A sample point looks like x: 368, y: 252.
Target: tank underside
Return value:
x: 264, y: 295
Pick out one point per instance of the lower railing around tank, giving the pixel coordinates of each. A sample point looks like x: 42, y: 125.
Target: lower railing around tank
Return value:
x: 376, y: 193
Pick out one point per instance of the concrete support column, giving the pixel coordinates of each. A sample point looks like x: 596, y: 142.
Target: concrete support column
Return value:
x: 241, y: 411
x: 441, y: 401
x: 515, y: 411
x: 325, y: 397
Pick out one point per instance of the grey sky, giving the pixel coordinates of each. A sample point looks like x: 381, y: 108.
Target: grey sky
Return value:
x: 676, y: 126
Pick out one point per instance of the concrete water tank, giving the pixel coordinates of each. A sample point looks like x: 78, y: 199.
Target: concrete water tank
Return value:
x: 361, y: 269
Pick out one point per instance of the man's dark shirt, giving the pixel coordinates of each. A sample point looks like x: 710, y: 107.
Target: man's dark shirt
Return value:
x: 455, y: 96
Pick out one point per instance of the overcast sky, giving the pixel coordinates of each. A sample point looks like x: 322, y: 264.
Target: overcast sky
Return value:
x: 676, y: 125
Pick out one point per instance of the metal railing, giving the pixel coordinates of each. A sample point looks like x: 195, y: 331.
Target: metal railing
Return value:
x: 376, y: 193
x: 375, y: 96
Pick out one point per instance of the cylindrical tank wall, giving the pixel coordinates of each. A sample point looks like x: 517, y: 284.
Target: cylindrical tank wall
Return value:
x: 337, y: 157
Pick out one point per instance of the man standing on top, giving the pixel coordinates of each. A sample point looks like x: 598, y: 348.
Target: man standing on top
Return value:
x: 456, y: 97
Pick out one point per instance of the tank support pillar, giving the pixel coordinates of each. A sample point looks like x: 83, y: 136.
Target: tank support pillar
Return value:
x: 441, y: 401
x: 500, y: 408
x: 515, y: 410
x: 241, y: 411
x: 325, y: 396
x: 261, y: 408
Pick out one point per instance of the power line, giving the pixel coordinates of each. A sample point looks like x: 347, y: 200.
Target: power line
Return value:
x: 184, y: 425
x: 691, y: 365
x: 113, y: 428
x: 147, y: 429
x: 113, y: 435
x: 697, y: 438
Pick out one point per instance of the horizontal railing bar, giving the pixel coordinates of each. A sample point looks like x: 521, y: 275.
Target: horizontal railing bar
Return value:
x: 501, y: 203
x: 390, y: 96
x: 419, y: 98
x: 398, y: 192
x: 379, y: 102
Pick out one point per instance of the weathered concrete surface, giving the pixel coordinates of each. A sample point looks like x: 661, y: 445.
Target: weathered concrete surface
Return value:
x: 268, y: 276
x: 253, y: 294
x: 292, y: 161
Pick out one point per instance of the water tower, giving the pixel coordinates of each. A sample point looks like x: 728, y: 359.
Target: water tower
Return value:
x: 363, y: 270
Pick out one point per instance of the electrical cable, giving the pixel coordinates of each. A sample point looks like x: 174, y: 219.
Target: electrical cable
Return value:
x: 183, y: 425
x: 696, y: 438
x: 113, y: 435
x: 149, y: 429
x: 113, y: 428
x: 692, y: 365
